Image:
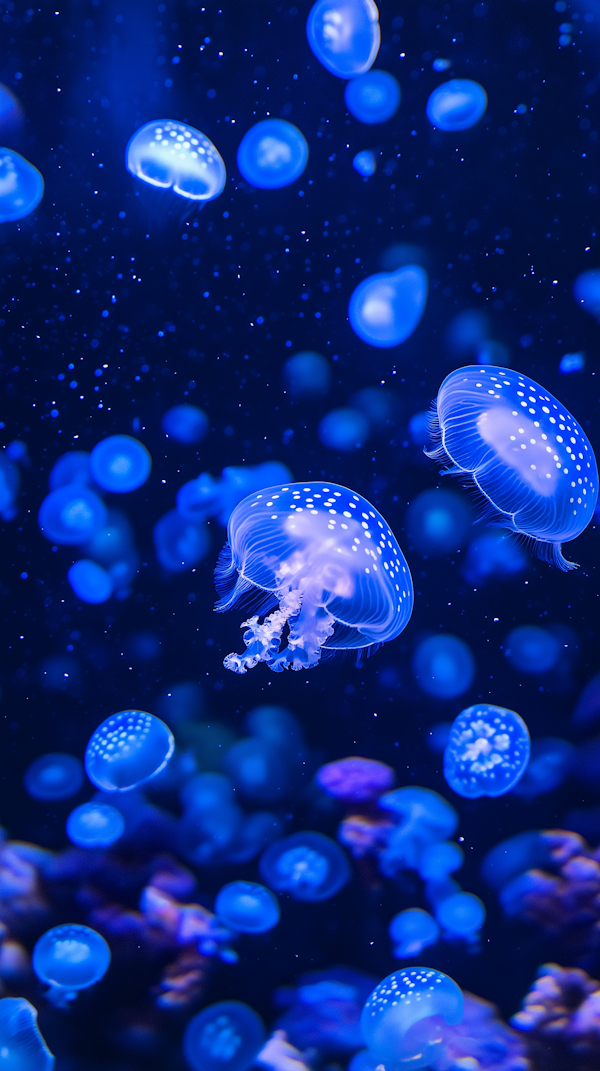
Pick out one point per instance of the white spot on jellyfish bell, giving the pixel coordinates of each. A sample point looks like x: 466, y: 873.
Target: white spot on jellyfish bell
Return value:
x: 175, y: 156
x: 385, y: 308
x: 344, y: 35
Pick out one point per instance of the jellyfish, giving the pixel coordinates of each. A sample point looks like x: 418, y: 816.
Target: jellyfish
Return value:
x: 56, y: 776
x: 373, y: 97
x: 529, y: 458
x: 493, y: 554
x: 21, y: 186
x: 572, y: 362
x: 175, y: 156
x: 411, y: 931
x: 487, y: 751
x: 303, y: 547
x: 71, y: 515
x: 127, y: 749
x: 272, y: 154
x: 550, y: 762
x: 22, y: 1047
x: 90, y: 582
x: 307, y: 374
x: 513, y: 856
x: 456, y: 105
x: 180, y: 544
x: 344, y: 430
x: 531, y: 649
x: 212, y: 819
x: 423, y: 818
x: 440, y: 859
x: 365, y: 162
x: 279, y: 727
x: 438, y: 521
x: 309, y: 866
x: 386, y: 308
x: 205, y: 497
x: 69, y: 958
x: 461, y: 915
x: 344, y: 35
x: 120, y: 464
x: 10, y: 479
x: 247, y: 907
x: 260, y: 770
x: 11, y: 113
x: 402, y: 1021
x: 355, y: 779
x: 586, y: 291
x: 186, y: 423
x: 444, y: 666
x: 95, y: 825
x: 72, y: 467
x: 223, y: 1037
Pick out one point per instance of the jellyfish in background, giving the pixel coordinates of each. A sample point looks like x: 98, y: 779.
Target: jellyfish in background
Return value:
x: 438, y: 521
x: 461, y: 915
x: 531, y: 649
x: 307, y: 374
x: 224, y: 1037
x: 247, y: 907
x: 423, y: 818
x: 113, y: 548
x: 69, y: 958
x: 260, y: 770
x: 373, y: 97
x: 344, y: 430
x: 457, y: 105
x: 323, y: 1010
x: 55, y: 776
x: 443, y: 666
x: 22, y: 1047
x: 572, y: 362
x: 550, y: 762
x: 21, y: 186
x: 487, y: 751
x: 327, y: 560
x: 95, y: 825
x: 385, y: 308
x: 71, y: 515
x: 365, y: 163
x: 10, y: 479
x: 309, y: 866
x: 127, y: 749
x: 72, y: 467
x: 186, y: 423
x: 344, y: 35
x: 180, y: 544
x: 586, y: 291
x: 11, y: 113
x: 272, y: 154
x: 90, y: 582
x: 440, y: 859
x: 120, y: 464
x: 175, y: 156
x: 411, y: 931
x: 529, y: 458
x: 493, y: 554
x: 513, y: 856
x: 206, y: 497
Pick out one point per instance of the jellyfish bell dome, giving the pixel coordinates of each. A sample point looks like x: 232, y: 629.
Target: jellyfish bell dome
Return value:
x: 223, y: 1037
x: 309, y: 866
x: 373, y: 97
x: 120, y: 464
x: 95, y: 825
x: 487, y: 751
x: 457, y: 105
x: 127, y: 749
x: 71, y: 957
x: 71, y: 515
x: 175, y: 156
x: 22, y: 1046
x: 402, y: 1019
x: 247, y: 907
x: 385, y: 308
x: 21, y: 186
x: 344, y: 35
x: 55, y: 776
x: 272, y: 154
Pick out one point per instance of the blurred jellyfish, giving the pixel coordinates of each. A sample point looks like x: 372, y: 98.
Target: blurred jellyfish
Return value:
x: 586, y: 291
x: 423, y: 818
x: 120, y: 464
x: 493, y: 554
x: 487, y: 751
x: 186, y: 423
x: 344, y: 35
x: 72, y: 514
x: 90, y: 582
x: 514, y: 856
x: 279, y: 727
x: 272, y: 154
x: 572, y: 362
x: 373, y: 97
x: 259, y: 770
x: 440, y: 859
x: 22, y: 1047
x: 307, y: 374
x: 323, y: 1011
x: 550, y: 762
x: 95, y: 825
x: 10, y: 479
x: 113, y: 541
x: 438, y: 521
x: 247, y: 907
x: 175, y: 156
x: 344, y: 429
x: 403, y: 254
x: 11, y: 113
x: 206, y: 497
x: 587, y: 709
x: 403, y: 1018
x: 21, y: 186
x: 437, y: 736
x: 365, y: 162
x: 385, y: 308
x: 179, y: 544
x: 456, y: 105
x: 411, y: 931
x: 440, y: 64
x: 418, y: 428
x: 355, y: 779
x: 18, y: 450
x: 212, y: 819
x: 55, y: 776
x: 127, y: 749
x: 309, y: 866
x: 69, y: 958
x: 462, y: 915
x: 443, y: 666
x: 223, y: 1037
x: 72, y: 467
x: 531, y: 649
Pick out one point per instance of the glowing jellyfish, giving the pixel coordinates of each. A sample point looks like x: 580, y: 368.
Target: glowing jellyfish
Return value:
x: 56, y: 776
x: 259, y: 769
x: 10, y: 480
x: 186, y: 423
x: 22, y: 1047
x: 423, y: 818
x: 493, y: 554
x: 72, y: 514
x: 586, y: 291
x: 273, y: 153
x: 307, y: 374
x: 309, y: 866
x: 365, y: 163
x: 532, y: 649
x: 443, y: 666
x: 386, y: 308
x: 69, y: 958
x: 180, y: 544
x: 572, y: 362
x: 90, y: 582
x: 21, y: 186
x: 127, y: 749
x: 514, y: 856
x: 402, y: 1021
x: 95, y: 825
x: 550, y: 762
x: 175, y: 156
x: 224, y: 1037
x: 411, y: 931
x: 487, y: 751
x: 72, y: 467
x: 456, y: 105
x: 530, y: 459
x: 120, y: 464
x: 462, y: 915
x: 206, y: 497
x: 438, y: 521
x: 247, y: 907
x: 326, y: 559
x: 440, y: 859
x: 373, y: 97
x: 344, y: 429
x: 11, y: 113
x: 344, y: 35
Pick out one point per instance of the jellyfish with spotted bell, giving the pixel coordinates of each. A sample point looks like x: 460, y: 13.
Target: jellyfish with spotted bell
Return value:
x: 175, y: 156
x: 344, y: 35
x: 402, y: 1020
x: 530, y: 459
x: 69, y: 958
x: 327, y: 565
x: 487, y: 751
x: 127, y: 749
x: 223, y: 1037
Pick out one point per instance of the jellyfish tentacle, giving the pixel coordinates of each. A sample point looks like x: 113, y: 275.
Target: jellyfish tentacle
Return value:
x: 262, y: 641
x: 311, y: 626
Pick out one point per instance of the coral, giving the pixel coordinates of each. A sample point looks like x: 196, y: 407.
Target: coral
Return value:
x: 482, y: 1041
x: 560, y: 1020
x: 279, y: 1055
x: 323, y: 1012
x: 355, y: 779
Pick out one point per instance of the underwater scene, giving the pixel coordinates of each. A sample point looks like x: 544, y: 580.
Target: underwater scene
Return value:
x: 300, y: 675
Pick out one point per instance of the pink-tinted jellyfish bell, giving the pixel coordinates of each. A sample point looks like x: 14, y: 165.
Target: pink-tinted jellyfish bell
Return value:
x: 355, y: 779
x: 325, y: 562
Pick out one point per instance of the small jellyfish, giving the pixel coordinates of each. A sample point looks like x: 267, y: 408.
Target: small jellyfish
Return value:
x: 21, y: 186
x: 443, y: 666
x: 344, y: 35
x: 440, y: 64
x: 186, y: 423
x: 586, y: 291
x: 309, y: 866
x: 440, y: 859
x: 205, y: 497
x: 550, y: 762
x: 223, y: 1037
x: 112, y: 542
x: 572, y: 362
x: 487, y: 752
x: 272, y: 154
x: 120, y: 464
x: 90, y: 582
x: 456, y: 105
x: 71, y: 515
x: 365, y: 162
x: 373, y: 97
x: 72, y: 467
x: 175, y: 156
x: 438, y: 522
x: 259, y: 770
x: 22, y: 1047
x: 402, y: 1021
x: 423, y: 818
x: 462, y: 915
x: 468, y: 331
x: 530, y: 459
x: 355, y: 779
x: 307, y: 374
x: 531, y: 649
x: 247, y: 907
x: 385, y: 308
x: 95, y: 825
x: 180, y: 544
x: 344, y: 430
x: 69, y: 958
x: 411, y: 931
x: 56, y: 776
x: 493, y: 554
x: 127, y: 749
x: 10, y: 479
x: 330, y: 564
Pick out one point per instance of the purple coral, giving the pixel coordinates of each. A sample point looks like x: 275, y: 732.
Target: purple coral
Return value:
x: 482, y: 1041
x: 323, y: 1012
x: 560, y: 1020
x: 355, y: 779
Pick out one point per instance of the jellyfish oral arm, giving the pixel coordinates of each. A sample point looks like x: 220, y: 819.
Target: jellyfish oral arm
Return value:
x: 310, y: 625
x: 263, y: 641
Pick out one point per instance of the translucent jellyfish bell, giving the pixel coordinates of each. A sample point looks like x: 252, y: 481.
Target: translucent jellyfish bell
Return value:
x: 462, y: 915
x: 328, y: 565
x: 457, y: 104
x: 180, y: 544
x: 308, y: 865
x: 365, y: 162
x: 175, y: 156
x: 526, y: 454
x: 186, y: 423
x: 95, y: 825
x: 402, y: 1020
x: 90, y: 582
x: 443, y: 666
x: 21, y: 186
x: 127, y: 749
x: 307, y: 374
x: 56, y: 776
x: 531, y: 649
x: 272, y: 154
x: 344, y: 429
x: 120, y: 464
x: 224, y: 1037
x: 438, y: 521
x: 247, y: 907
x: 22, y: 1047
x: 550, y: 762
x: 69, y: 958
x: 373, y: 97
x: 412, y: 931
x: 487, y: 751
x: 385, y: 308
x: 344, y: 35
x: 586, y: 291
x: 71, y: 515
